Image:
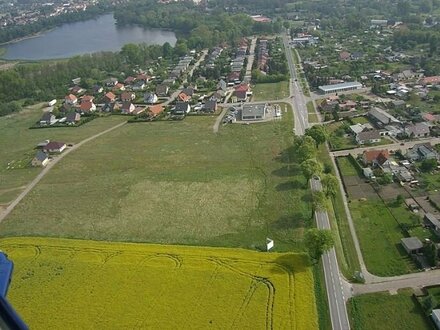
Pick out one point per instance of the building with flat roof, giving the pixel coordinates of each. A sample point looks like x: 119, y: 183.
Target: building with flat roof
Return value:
x: 411, y: 244
x: 343, y: 87
x: 252, y: 112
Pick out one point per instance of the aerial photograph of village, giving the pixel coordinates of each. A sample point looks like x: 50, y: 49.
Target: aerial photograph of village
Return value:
x: 220, y: 164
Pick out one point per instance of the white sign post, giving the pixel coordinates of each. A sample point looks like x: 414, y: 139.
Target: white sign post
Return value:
x: 269, y: 244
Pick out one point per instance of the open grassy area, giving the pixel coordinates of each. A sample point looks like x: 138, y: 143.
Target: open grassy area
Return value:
x: 379, y: 235
x: 17, y: 143
x: 270, y: 91
x: 384, y: 311
x: 313, y: 117
x: 174, y: 182
x: 77, y: 284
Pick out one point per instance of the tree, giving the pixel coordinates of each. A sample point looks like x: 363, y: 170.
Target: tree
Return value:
x: 400, y: 199
x: 428, y: 165
x: 304, y: 148
x: 310, y: 167
x: 318, y: 241
x: 318, y: 133
x: 318, y: 202
x: 330, y: 183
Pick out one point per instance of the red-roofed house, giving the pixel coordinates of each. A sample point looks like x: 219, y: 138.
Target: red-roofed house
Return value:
x: 344, y: 56
x: 155, y: 110
x: 70, y: 99
x: 87, y: 106
x: 430, y: 117
x: 129, y: 80
x: 375, y: 157
x: 109, y: 97
x: 54, y: 147
x: 433, y: 80
x: 183, y: 97
x: 128, y: 96
x: 241, y: 93
x: 87, y: 98
x: 119, y: 87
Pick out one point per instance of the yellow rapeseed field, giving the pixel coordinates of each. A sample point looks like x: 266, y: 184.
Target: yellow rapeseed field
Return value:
x: 74, y: 284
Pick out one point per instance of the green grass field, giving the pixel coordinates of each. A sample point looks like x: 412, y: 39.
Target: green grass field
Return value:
x: 76, y: 284
x: 313, y: 117
x: 17, y: 143
x: 384, y: 311
x: 174, y: 182
x: 270, y: 91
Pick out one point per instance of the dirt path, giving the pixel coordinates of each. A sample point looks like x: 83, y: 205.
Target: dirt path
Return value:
x: 219, y: 120
x: 51, y: 164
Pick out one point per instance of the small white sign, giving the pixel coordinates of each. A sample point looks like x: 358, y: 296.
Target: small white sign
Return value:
x: 269, y: 244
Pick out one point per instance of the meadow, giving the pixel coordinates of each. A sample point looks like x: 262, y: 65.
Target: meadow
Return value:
x: 174, y: 182
x: 17, y: 143
x: 77, y: 284
x: 384, y: 311
x: 270, y: 91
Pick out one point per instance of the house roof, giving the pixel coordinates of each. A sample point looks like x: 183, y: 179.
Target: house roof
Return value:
x: 430, y: 80
x: 368, y: 135
x: 411, y: 243
x: 210, y: 104
x: 126, y: 96
x: 242, y: 88
x: 87, y: 98
x: 417, y: 129
x: 183, y: 97
x: 52, y: 145
x: 86, y: 106
x: 73, y: 116
x: 253, y: 110
x: 156, y: 109
x: 181, y: 107
x: 188, y: 91
x: 357, y: 128
x: 47, y: 116
x: 432, y: 219
x: 41, y: 156
x: 371, y: 155
x: 71, y: 97
x: 110, y: 96
x: 344, y: 55
x: 382, y: 116
x: 126, y: 105
x: 119, y: 86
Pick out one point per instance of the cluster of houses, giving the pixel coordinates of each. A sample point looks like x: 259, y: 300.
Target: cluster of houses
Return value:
x: 45, y: 149
x: 237, y: 63
x: 304, y: 39
x: 262, y: 55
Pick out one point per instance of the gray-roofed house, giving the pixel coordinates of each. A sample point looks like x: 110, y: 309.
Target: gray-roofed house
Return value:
x: 210, y: 106
x: 73, y: 117
x: 47, y: 119
x: 162, y: 90
x: 417, y: 130
x: 181, y: 109
x: 188, y: 91
x: 368, y: 137
x: 435, y: 315
x: 431, y: 221
x: 412, y: 245
x: 222, y: 85
x: 40, y: 159
x: 381, y: 117
x: 421, y: 152
x: 253, y: 112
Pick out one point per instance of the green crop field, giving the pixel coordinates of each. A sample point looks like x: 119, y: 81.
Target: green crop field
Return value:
x: 174, y: 182
x: 17, y: 143
x: 377, y: 311
x: 71, y: 284
x: 270, y: 91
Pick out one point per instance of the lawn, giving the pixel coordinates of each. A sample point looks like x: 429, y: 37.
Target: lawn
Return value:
x: 379, y: 235
x: 384, y: 311
x: 76, y: 284
x: 337, y: 138
x: 17, y: 143
x: 346, y: 166
x: 176, y: 183
x: 313, y: 117
x: 360, y: 120
x: 270, y: 91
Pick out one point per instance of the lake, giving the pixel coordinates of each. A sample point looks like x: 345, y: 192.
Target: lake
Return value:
x: 100, y: 34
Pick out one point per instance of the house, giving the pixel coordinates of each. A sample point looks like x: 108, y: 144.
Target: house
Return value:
x: 143, y: 77
x: 181, y: 109
x: 77, y: 90
x: 189, y: 91
x: 210, y: 106
x: 127, y: 96
x: 431, y: 221
x: 357, y: 128
x: 87, y: 98
x: 87, y: 106
x: 347, y: 105
x: 138, y: 86
x: 127, y: 108
x: 435, y: 315
x: 429, y: 117
x: 97, y: 89
x: 253, y: 112
x: 111, y: 82
x: 47, y: 119
x: 417, y: 130
x: 241, y: 93
x: 76, y: 81
x: 433, y: 80
x: 183, y: 97
x: 382, y: 118
x: 222, y: 85
x: 129, y: 80
x: 162, y: 90
x: 73, y: 117
x: 356, y: 56
x: 150, y: 98
x: 422, y: 151
x: 344, y: 56
x: 109, y: 97
x: 368, y: 137
x: 412, y: 245
x: 54, y: 147
x: 119, y: 87
x: 375, y: 157
x: 70, y: 99
x: 40, y: 159
x: 411, y: 204
x: 155, y: 110
x: 368, y: 173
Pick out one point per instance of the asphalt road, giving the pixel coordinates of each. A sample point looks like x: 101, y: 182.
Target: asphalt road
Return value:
x: 333, y: 281
x: 298, y: 100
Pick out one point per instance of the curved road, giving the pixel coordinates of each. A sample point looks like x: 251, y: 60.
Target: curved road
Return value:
x: 51, y: 164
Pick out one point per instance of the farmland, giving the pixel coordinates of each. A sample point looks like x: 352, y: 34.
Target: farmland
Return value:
x: 73, y: 284
x: 384, y: 311
x: 174, y: 182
